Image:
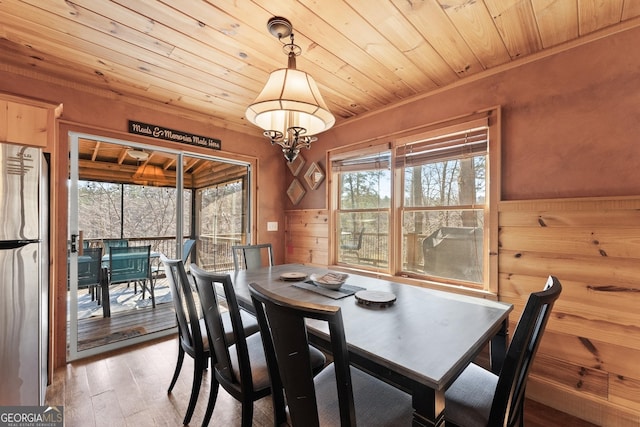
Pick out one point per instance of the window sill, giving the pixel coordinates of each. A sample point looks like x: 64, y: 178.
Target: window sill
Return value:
x: 429, y: 284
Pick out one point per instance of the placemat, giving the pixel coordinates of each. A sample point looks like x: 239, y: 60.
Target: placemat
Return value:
x: 344, y: 291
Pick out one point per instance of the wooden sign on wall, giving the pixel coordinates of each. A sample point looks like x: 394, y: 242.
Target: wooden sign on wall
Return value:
x: 160, y: 132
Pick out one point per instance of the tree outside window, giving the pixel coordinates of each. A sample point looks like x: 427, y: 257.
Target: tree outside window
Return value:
x: 441, y: 213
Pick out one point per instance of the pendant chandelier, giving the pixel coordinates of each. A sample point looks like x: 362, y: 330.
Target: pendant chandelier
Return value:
x: 290, y: 108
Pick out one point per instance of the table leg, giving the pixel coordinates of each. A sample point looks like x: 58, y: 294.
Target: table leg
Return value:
x: 428, y: 406
x: 498, y: 347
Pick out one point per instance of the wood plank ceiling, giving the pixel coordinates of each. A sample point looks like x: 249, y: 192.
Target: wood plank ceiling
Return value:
x: 212, y: 58
x: 107, y: 162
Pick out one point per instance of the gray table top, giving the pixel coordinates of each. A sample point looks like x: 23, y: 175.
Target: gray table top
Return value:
x: 427, y: 335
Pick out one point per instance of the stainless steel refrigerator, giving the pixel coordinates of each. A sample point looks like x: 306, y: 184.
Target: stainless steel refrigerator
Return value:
x: 24, y: 275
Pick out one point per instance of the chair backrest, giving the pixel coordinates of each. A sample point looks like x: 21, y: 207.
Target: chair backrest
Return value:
x: 129, y: 263
x: 90, y: 270
x: 118, y: 243
x: 251, y: 256
x: 184, y: 304
x: 510, y: 390
x: 206, y: 284
x: 187, y: 248
x: 283, y: 330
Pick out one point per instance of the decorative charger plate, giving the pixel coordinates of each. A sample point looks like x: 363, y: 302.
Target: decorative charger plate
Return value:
x: 293, y: 276
x: 377, y: 299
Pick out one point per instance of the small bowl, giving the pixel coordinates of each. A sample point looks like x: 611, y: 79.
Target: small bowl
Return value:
x: 317, y: 280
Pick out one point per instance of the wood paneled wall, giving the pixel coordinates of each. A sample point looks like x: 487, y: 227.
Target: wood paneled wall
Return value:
x: 307, y: 237
x: 588, y: 363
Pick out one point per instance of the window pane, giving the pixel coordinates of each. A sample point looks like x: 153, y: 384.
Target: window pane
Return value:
x: 444, y: 243
x: 149, y: 211
x: 99, y: 209
x: 447, y: 183
x: 364, y: 238
x: 222, y: 220
x: 365, y: 189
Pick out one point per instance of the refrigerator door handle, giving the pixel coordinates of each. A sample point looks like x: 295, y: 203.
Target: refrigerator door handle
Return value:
x: 15, y: 244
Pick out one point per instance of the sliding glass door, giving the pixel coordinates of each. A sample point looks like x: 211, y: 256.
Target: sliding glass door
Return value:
x: 130, y: 195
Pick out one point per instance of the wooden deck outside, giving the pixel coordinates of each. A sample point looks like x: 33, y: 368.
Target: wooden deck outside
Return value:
x: 97, y: 331
x: 131, y: 316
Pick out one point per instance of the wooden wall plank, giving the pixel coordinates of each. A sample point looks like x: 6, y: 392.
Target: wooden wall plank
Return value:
x: 307, y: 237
x: 591, y: 353
x: 618, y: 218
x: 624, y: 391
x: 620, y: 272
x: 579, y: 378
x: 588, y: 355
x: 310, y: 229
x: 605, y: 241
x: 582, y: 405
x: 25, y: 124
x: 576, y: 305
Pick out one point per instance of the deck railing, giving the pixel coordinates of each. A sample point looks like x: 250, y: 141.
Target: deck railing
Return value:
x: 212, y: 253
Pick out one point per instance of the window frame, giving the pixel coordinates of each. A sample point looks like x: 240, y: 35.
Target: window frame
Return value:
x: 491, y: 118
x: 383, y: 155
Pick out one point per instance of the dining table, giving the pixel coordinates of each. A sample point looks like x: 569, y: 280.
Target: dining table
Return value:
x: 419, y: 341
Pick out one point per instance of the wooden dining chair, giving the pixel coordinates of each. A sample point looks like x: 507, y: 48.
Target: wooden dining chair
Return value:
x: 241, y: 368
x: 250, y: 257
x: 157, y: 270
x: 479, y: 397
x: 192, y: 331
x: 340, y: 395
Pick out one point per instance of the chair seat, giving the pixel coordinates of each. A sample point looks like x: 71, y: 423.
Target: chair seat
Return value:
x: 468, y: 401
x: 249, y: 323
x: 259, y: 367
x: 259, y: 370
x: 376, y: 402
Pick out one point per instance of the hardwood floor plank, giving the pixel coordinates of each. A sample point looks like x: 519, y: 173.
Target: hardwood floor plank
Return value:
x: 128, y: 387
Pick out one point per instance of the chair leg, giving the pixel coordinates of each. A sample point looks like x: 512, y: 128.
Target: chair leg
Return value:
x: 143, y: 285
x: 176, y: 373
x: 279, y: 412
x: 152, y: 285
x: 213, y: 396
x: 195, y: 389
x: 247, y: 414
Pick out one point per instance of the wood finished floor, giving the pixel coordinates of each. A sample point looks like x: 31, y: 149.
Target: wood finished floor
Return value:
x: 128, y: 387
x: 131, y: 315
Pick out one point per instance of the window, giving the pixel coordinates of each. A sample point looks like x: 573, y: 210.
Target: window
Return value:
x: 112, y: 210
x: 443, y: 203
x: 223, y: 222
x: 363, y: 209
x: 419, y: 207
